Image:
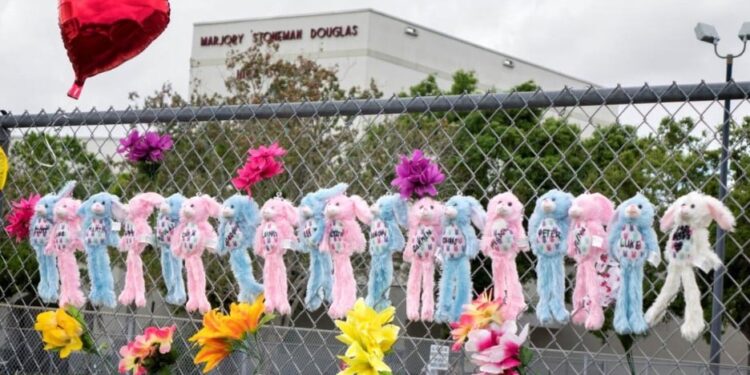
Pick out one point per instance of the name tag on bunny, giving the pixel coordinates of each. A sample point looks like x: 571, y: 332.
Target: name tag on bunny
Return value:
x: 453, y: 241
x: 378, y: 236
x: 234, y: 236
x: 581, y: 241
x: 681, y: 242
x: 502, y: 236
x: 336, y: 236
x: 40, y: 232
x: 270, y: 236
x: 549, y: 235
x: 164, y: 228
x: 631, y: 243
x: 311, y: 226
x: 424, y: 245
x: 116, y: 226
x: 189, y: 237
x: 95, y: 234
x: 62, y: 237
x: 129, y: 234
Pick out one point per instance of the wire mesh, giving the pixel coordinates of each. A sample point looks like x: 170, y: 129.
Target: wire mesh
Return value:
x: 523, y: 141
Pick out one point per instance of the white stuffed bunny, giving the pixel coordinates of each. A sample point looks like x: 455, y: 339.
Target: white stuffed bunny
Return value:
x: 687, y: 221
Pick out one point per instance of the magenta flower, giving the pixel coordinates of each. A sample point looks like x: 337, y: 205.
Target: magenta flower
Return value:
x: 20, y: 216
x: 147, y: 148
x: 261, y: 164
x: 417, y: 175
x: 497, y: 348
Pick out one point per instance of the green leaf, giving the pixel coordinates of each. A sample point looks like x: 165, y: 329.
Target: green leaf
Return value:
x: 526, y: 355
x: 265, y: 319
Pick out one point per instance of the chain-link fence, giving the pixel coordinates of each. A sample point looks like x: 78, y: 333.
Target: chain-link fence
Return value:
x: 662, y: 141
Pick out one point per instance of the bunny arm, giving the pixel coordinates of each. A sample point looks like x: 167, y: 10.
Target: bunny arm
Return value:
x: 652, y: 245
x: 286, y: 234
x: 408, y: 255
x: 353, y: 236
x: 485, y: 244
x: 564, y: 234
x: 396, y: 239
x: 258, y: 244
x: 520, y: 235
x: 221, y: 248
x: 112, y: 237
x: 534, y: 222
x: 615, y: 229
x: 208, y: 236
x: 324, y: 243
x: 176, y: 241
x: 704, y: 257
x: 470, y: 238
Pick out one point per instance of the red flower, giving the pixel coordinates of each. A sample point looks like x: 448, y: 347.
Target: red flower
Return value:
x: 261, y: 164
x: 20, y: 216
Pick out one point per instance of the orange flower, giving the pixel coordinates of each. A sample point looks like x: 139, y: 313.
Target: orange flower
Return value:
x: 212, y: 352
x: 478, y: 314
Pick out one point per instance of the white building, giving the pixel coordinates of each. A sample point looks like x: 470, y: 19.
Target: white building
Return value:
x: 368, y: 45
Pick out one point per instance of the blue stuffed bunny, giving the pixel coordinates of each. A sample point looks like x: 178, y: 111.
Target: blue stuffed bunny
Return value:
x: 458, y: 245
x: 548, y: 231
x: 389, y: 212
x: 39, y: 230
x: 171, y: 265
x: 237, y: 224
x: 632, y: 240
x: 310, y: 233
x: 98, y: 214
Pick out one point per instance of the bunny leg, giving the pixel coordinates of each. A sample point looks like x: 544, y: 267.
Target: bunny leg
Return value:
x: 544, y: 286
x: 387, y: 277
x: 694, y: 324
x: 269, y: 280
x: 595, y: 319
x: 349, y: 286
x: 557, y: 306
x: 283, y: 302
x: 167, y: 273
x: 580, y: 314
x: 515, y: 301
x: 51, y: 277
x: 315, y: 283
x: 498, y: 279
x: 671, y: 287
x: 445, y: 291
x: 334, y: 311
x: 428, y: 291
x: 242, y: 268
x: 193, y: 287
x: 102, y: 292
x: 200, y: 280
x: 621, y: 321
x: 638, y: 323
x: 139, y: 282
x: 95, y: 294
x: 463, y: 289
x: 71, y: 293
x: 371, y: 299
x: 179, y: 295
x: 413, y: 285
x: 127, y: 294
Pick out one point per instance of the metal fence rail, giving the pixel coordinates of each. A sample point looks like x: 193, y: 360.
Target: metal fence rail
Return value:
x: 527, y: 142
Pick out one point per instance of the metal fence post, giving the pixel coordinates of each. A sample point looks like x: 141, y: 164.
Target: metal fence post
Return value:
x: 717, y: 305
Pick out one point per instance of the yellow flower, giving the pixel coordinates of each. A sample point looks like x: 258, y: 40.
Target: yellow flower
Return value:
x: 363, y: 362
x: 484, y: 310
x: 222, y: 334
x: 60, y: 332
x: 368, y: 328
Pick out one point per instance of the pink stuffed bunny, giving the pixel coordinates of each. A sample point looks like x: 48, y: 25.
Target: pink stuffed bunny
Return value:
x: 63, y: 242
x: 272, y: 239
x: 425, y: 230
x: 191, y: 237
x: 342, y: 237
x: 587, y: 241
x: 503, y: 237
x: 137, y: 234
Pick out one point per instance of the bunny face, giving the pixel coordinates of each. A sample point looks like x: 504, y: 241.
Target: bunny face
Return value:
x: 697, y: 210
x: 172, y: 205
x: 239, y: 208
x: 65, y: 208
x: 45, y: 206
x: 100, y: 205
x: 592, y: 207
x: 637, y: 210
x: 505, y: 205
x: 464, y: 210
x: 390, y: 208
x: 426, y: 211
x: 200, y: 208
x: 347, y: 208
x: 313, y: 204
x: 279, y: 209
x: 554, y: 203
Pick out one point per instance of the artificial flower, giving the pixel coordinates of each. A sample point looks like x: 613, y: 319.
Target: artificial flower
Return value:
x: 476, y: 315
x: 417, y: 175
x: 149, y: 352
x: 20, y: 216
x: 223, y: 334
x: 63, y: 332
x: 363, y: 362
x: 147, y: 148
x: 498, y: 348
x: 369, y: 336
x: 262, y: 163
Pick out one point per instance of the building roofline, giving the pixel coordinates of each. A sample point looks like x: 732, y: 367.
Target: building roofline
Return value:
x: 370, y: 10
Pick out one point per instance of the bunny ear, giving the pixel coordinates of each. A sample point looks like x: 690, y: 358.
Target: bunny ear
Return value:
x: 361, y: 209
x: 214, y: 208
x: 118, y: 209
x: 290, y: 213
x: 605, y: 206
x: 667, y: 220
x: 720, y: 213
x: 338, y: 189
x: 478, y: 215
x: 153, y: 199
x: 67, y: 189
x: 251, y: 211
x: 401, y: 211
x: 84, y: 208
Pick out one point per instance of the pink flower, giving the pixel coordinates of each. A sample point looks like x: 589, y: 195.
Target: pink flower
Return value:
x: 161, y: 337
x: 153, y: 342
x: 476, y: 315
x: 261, y: 164
x: 497, y: 349
x: 20, y: 216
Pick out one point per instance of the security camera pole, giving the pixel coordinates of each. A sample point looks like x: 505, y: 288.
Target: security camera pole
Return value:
x: 707, y: 33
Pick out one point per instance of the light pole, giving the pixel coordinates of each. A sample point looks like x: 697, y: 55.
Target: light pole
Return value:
x: 707, y: 33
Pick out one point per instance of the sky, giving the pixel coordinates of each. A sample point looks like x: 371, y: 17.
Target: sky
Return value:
x: 606, y: 42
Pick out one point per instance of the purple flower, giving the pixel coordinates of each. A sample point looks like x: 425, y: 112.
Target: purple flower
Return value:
x: 149, y: 147
x: 417, y: 175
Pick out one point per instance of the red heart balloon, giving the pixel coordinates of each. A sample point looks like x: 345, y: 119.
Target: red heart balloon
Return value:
x: 102, y: 34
